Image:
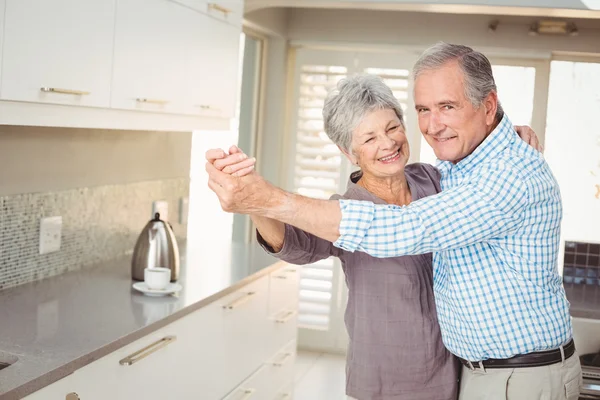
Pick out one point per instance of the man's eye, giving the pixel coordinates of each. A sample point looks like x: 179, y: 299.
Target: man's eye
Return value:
x: 447, y: 107
x: 421, y: 110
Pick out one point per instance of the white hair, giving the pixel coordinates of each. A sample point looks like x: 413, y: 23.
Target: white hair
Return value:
x: 348, y: 104
x: 476, y: 68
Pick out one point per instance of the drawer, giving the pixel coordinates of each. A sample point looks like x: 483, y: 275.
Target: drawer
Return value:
x: 275, y: 373
x: 286, y: 392
x: 283, y: 289
x: 280, y: 368
x: 244, y: 329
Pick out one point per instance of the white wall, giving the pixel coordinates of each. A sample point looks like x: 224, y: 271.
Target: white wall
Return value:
x: 40, y: 159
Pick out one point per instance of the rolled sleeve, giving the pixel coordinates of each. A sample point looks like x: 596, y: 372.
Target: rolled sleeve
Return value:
x: 357, y: 217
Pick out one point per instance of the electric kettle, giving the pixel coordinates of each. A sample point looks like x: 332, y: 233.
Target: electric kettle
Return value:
x: 155, y: 247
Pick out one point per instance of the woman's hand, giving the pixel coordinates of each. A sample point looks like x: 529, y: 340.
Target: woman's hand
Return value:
x: 528, y: 135
x: 235, y: 163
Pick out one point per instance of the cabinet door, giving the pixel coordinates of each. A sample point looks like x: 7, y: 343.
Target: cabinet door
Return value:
x: 149, y: 56
x: 212, y: 67
x: 58, y: 51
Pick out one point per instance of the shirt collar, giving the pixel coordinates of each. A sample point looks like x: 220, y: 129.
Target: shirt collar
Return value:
x: 496, y: 141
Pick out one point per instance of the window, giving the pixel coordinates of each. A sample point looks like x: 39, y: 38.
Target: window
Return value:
x: 573, y: 145
x: 320, y: 170
x: 316, y: 174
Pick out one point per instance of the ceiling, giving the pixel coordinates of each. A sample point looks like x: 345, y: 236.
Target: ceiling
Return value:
x: 589, y: 9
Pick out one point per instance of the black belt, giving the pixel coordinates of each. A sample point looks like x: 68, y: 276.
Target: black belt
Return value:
x: 537, y: 359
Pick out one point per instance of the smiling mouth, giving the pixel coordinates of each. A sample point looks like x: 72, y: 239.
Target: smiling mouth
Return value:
x: 391, y: 158
x: 442, y: 140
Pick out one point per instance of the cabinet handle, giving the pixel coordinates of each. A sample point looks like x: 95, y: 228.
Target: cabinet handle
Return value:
x: 239, y: 301
x: 72, y: 396
x: 64, y: 91
x: 280, y: 277
x: 216, y: 7
x: 151, y: 101
x: 146, y: 351
x: 288, y: 316
x: 247, y: 393
x: 207, y: 107
x: 283, y: 360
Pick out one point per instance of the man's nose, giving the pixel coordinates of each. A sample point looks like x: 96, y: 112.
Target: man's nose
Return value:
x: 435, y: 126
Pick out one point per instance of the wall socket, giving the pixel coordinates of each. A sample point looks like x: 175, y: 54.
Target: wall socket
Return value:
x: 184, y: 210
x: 161, y: 207
x: 50, y: 234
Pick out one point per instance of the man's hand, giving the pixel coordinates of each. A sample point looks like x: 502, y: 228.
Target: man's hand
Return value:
x: 235, y: 163
x: 528, y: 135
x: 243, y: 195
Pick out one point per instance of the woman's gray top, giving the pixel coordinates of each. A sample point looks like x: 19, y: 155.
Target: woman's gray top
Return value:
x: 396, y: 350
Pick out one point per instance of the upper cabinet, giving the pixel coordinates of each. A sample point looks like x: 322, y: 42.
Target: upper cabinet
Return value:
x: 120, y: 64
x: 148, y: 69
x: 58, y: 51
x: 211, y: 75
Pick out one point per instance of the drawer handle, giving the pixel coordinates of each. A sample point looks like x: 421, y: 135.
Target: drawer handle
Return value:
x: 146, y: 351
x: 280, y: 277
x: 216, y: 7
x: 64, y: 91
x: 239, y: 301
x: 151, y: 101
x: 287, y: 317
x: 247, y: 393
x: 281, y: 362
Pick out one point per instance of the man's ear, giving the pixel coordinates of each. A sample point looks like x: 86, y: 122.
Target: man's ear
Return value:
x: 349, y: 156
x: 491, y: 106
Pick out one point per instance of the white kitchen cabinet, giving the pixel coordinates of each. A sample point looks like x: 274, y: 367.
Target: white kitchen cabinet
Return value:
x: 263, y: 384
x: 211, y: 67
x: 149, y: 56
x: 220, y: 351
x: 2, y: 8
x: 58, y: 51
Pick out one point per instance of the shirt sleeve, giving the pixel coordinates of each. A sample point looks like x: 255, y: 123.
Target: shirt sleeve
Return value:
x: 300, y: 247
x: 488, y: 206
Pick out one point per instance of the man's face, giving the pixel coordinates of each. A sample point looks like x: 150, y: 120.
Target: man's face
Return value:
x: 452, y: 126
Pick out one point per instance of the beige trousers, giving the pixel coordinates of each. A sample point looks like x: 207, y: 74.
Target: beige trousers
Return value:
x: 560, y: 381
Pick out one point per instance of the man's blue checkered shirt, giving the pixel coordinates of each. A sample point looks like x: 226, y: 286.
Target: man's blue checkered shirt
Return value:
x: 494, y: 233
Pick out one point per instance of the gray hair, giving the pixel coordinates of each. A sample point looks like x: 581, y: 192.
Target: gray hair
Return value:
x: 348, y: 104
x: 476, y: 68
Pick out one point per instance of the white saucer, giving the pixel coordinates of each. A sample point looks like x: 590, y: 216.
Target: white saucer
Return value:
x: 170, y: 289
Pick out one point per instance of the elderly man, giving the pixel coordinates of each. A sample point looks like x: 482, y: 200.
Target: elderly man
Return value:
x: 494, y: 231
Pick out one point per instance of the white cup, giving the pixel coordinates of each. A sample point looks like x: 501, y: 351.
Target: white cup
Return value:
x: 157, y: 278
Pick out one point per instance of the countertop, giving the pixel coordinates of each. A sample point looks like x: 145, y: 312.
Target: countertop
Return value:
x: 584, y: 299
x: 60, y: 324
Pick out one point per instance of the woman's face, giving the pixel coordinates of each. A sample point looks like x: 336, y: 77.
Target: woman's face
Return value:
x: 379, y: 144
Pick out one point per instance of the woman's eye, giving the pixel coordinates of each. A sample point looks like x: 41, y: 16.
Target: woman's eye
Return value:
x: 393, y: 128
x: 369, y: 140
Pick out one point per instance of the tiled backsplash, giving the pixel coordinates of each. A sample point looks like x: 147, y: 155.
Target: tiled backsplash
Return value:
x: 99, y: 223
x: 582, y: 263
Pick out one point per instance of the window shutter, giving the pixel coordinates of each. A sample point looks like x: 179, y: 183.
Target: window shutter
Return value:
x: 316, y: 174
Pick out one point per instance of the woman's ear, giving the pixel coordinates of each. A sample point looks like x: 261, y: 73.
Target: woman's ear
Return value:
x: 349, y: 156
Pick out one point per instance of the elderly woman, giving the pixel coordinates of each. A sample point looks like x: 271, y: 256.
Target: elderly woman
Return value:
x: 396, y: 350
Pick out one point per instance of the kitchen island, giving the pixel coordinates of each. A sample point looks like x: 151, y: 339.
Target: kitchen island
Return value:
x: 58, y: 325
